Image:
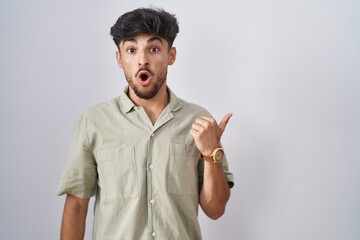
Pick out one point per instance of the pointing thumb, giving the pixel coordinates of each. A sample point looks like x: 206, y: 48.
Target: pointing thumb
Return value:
x: 224, y: 122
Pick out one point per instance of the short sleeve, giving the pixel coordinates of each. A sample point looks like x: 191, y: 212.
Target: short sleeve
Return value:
x: 228, y: 175
x: 80, y: 176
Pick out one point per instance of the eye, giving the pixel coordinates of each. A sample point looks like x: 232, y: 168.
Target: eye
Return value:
x: 154, y: 49
x: 130, y: 50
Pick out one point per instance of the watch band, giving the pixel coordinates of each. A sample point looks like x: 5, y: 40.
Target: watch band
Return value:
x: 217, y: 156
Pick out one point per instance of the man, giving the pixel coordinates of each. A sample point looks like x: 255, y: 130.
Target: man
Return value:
x: 149, y: 157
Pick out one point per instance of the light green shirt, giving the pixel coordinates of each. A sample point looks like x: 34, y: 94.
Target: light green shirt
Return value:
x: 146, y: 177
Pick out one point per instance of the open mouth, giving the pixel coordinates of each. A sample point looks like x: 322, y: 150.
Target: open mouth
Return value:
x: 144, y: 77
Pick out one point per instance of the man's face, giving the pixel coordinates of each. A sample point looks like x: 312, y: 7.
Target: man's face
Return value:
x: 145, y: 59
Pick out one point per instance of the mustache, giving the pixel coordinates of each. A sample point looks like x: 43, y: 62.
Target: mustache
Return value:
x: 144, y: 68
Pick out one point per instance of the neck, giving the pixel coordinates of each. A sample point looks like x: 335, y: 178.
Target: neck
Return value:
x: 154, y: 106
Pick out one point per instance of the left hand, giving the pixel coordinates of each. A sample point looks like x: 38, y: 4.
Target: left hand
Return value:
x: 207, y: 133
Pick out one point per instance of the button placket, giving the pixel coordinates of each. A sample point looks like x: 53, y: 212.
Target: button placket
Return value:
x: 151, y: 167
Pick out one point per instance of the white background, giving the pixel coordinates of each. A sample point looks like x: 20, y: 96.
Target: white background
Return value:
x: 288, y: 70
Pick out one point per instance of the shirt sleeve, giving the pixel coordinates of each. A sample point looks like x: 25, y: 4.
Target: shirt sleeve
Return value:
x: 80, y: 175
x: 228, y: 175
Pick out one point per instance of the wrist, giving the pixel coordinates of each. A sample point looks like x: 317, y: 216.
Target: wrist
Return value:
x: 216, y: 156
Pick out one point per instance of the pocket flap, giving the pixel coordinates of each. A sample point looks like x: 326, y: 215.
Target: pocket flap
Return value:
x: 114, y: 153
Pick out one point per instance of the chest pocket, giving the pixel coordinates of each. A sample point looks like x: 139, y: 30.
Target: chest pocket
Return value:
x: 117, y: 174
x: 182, y: 174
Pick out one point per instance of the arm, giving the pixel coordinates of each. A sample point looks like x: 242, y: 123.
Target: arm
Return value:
x: 215, y: 191
x: 73, y: 222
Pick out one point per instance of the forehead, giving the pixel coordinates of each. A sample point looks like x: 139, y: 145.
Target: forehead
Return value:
x: 144, y: 39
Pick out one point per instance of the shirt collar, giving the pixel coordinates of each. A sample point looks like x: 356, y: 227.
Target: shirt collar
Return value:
x: 127, y: 105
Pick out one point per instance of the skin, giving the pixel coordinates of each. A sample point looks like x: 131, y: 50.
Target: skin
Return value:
x: 74, y: 217
x: 154, y: 54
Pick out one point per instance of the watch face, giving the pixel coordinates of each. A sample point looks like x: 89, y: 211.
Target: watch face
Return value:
x: 219, y: 155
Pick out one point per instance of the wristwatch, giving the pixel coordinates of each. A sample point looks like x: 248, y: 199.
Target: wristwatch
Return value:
x: 216, y: 156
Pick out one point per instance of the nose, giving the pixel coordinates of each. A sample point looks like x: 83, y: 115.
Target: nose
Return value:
x: 143, y: 60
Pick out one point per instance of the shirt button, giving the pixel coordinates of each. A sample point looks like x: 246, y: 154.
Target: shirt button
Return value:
x: 151, y: 166
x: 153, y: 234
x: 152, y: 134
x: 152, y: 201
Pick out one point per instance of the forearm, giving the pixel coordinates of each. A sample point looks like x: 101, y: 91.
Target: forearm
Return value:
x: 74, y: 218
x: 215, y: 191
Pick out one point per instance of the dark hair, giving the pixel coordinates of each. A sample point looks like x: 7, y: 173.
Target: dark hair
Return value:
x: 145, y: 21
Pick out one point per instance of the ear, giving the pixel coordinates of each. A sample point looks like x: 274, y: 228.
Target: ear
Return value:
x: 172, y: 56
x: 118, y: 59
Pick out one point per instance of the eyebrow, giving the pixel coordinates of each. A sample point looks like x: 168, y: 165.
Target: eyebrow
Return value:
x: 150, y: 40
x: 153, y: 39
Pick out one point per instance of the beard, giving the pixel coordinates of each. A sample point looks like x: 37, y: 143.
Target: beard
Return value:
x: 154, y: 88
